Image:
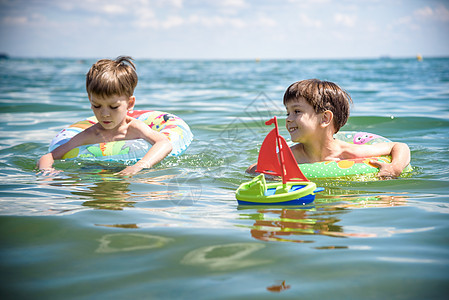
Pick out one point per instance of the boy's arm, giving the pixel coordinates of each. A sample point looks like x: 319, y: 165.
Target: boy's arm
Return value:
x: 399, y: 152
x: 400, y: 158
x: 160, y: 149
x: 45, y: 163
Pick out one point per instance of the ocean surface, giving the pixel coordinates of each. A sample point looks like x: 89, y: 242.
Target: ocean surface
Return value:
x: 176, y: 231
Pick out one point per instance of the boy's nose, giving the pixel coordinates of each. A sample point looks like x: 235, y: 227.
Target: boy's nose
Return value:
x: 105, y: 112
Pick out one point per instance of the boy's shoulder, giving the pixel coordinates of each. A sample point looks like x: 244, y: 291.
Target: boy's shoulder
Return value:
x: 134, y: 123
x: 138, y: 127
x: 347, y: 150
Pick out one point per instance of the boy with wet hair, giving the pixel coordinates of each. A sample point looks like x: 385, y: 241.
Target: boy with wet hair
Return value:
x: 110, y: 88
x: 112, y: 77
x: 316, y: 110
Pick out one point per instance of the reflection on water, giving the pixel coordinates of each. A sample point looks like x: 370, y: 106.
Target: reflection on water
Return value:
x: 278, y: 287
x: 295, y: 224
x: 225, y: 257
x: 355, y: 200
x: 125, y: 226
x: 125, y: 242
x: 182, y: 189
x: 102, y: 189
x: 107, y: 194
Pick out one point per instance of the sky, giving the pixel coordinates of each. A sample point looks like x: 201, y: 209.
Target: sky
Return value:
x: 224, y: 29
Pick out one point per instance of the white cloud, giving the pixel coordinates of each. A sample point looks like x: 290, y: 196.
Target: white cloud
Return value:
x: 341, y: 36
x: 441, y: 13
x: 215, y: 21
x: 266, y: 21
x: 415, y: 20
x: 21, y: 20
x: 65, y: 5
x: 113, y: 9
x: 407, y: 21
x: 145, y: 14
x: 237, y: 23
x: 145, y: 18
x: 310, y: 2
x: 233, y: 3
x: 33, y: 19
x: 97, y: 22
x: 172, y: 21
x: 309, y: 22
x: 424, y: 12
x: 231, y: 7
x: 371, y: 28
x: 345, y: 20
x: 175, y: 3
x: 176, y: 21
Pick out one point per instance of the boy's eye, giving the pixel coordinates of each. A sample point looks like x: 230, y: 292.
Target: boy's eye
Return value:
x: 113, y: 107
x: 95, y: 106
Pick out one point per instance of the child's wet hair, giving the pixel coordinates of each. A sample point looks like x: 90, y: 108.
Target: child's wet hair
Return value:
x: 108, y: 77
x: 322, y: 95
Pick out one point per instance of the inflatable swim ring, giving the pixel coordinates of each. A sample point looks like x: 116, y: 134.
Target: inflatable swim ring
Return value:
x: 348, y: 167
x: 128, y: 151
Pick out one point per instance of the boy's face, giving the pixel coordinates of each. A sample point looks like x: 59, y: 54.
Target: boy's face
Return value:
x: 302, y: 120
x: 111, y: 112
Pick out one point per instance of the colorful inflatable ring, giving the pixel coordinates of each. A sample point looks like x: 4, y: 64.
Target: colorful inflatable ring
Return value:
x: 128, y: 151
x: 348, y: 167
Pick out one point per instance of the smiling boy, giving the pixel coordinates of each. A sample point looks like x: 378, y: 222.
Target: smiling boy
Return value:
x: 316, y: 110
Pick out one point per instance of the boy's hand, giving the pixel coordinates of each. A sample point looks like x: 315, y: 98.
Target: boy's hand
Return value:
x: 48, y: 172
x: 131, y: 170
x: 386, y: 170
x: 128, y: 171
x: 252, y: 169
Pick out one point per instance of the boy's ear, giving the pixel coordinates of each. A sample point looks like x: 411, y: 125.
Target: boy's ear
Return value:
x: 327, y: 118
x: 131, y: 102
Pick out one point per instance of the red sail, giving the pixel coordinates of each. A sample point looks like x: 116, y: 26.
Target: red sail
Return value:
x: 267, y: 162
x: 284, y: 164
x: 292, y: 170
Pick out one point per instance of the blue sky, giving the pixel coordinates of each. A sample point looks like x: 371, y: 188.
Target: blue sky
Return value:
x: 224, y: 29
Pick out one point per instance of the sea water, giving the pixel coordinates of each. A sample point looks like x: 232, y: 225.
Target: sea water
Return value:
x: 176, y: 232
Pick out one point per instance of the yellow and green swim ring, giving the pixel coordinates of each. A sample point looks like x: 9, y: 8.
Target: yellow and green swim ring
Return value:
x: 349, y: 167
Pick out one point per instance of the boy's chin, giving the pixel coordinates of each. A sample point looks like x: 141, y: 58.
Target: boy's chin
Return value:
x: 106, y: 126
x: 293, y: 139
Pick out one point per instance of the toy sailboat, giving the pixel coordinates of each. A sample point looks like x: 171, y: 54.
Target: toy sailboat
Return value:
x: 295, y: 188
